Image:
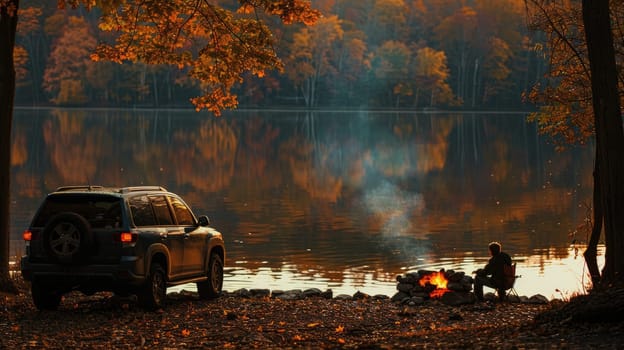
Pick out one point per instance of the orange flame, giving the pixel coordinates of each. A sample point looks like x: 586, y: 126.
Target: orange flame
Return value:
x: 437, y: 279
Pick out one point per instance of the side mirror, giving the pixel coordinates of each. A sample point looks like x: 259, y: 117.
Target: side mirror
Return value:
x: 204, y: 221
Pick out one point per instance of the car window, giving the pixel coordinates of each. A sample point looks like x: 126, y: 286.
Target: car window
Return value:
x: 100, y: 211
x: 182, y: 212
x: 163, y: 215
x: 142, y: 211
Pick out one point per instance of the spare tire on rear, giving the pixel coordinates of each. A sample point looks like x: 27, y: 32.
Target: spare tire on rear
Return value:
x: 68, y: 238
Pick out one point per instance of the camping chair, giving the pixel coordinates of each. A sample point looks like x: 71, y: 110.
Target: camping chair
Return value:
x: 510, y: 280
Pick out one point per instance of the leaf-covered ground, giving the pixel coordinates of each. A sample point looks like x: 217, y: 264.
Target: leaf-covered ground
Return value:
x: 105, y: 322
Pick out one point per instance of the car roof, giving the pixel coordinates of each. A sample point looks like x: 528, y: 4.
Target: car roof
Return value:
x: 117, y: 191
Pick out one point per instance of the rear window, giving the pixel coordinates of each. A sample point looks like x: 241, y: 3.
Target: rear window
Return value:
x: 101, y: 211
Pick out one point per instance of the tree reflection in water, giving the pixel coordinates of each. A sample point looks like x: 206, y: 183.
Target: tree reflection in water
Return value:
x: 346, y: 200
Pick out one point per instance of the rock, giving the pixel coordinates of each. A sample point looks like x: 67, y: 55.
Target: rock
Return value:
x: 359, y: 295
x: 343, y: 297
x: 457, y: 286
x: 412, y: 277
x: 418, y: 289
x: 422, y: 294
x: 312, y: 292
x: 380, y: 297
x: 458, y: 298
x: 424, y: 272
x: 259, y: 293
x: 455, y: 276
x: 538, y: 299
x: 242, y: 293
x: 277, y: 292
x: 294, y: 294
x: 287, y: 296
x: 513, y: 299
x: 414, y: 301
x: 399, y: 297
x: 468, y: 280
x: 328, y: 294
x: 405, y: 287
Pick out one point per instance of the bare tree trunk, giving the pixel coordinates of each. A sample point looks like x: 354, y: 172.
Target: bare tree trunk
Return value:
x: 8, y: 27
x: 609, y: 133
x: 591, y: 252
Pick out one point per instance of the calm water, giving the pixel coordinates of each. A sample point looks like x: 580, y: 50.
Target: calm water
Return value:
x: 341, y: 200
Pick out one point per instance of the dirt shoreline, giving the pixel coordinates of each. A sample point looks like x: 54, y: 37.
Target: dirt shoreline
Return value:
x: 103, y: 321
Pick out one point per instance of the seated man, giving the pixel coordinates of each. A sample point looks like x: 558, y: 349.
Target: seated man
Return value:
x: 492, y: 274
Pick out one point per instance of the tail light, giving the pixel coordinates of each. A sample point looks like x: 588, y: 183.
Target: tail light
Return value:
x: 125, y: 237
x: 27, y: 235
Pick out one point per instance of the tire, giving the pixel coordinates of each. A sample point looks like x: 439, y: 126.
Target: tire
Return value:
x: 211, y: 287
x: 44, y: 297
x: 153, y: 293
x: 68, y: 238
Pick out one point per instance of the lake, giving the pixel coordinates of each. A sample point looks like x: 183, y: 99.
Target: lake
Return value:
x: 345, y: 200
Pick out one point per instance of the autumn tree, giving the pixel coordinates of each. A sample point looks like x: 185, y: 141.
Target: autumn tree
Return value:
x: 431, y: 74
x: 29, y: 34
x: 583, y: 98
x: 609, y: 134
x: 390, y: 67
x: 312, y: 56
x: 386, y: 22
x: 351, y: 64
x: 215, y: 45
x: 564, y: 95
x: 70, y: 57
x: 457, y: 35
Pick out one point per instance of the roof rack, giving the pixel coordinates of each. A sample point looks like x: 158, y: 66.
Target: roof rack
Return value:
x: 79, y: 188
x: 142, y: 188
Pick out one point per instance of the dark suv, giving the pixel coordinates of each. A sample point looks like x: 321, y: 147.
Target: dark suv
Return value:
x: 131, y: 240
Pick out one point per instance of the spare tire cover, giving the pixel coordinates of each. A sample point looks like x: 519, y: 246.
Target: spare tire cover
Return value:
x: 67, y: 237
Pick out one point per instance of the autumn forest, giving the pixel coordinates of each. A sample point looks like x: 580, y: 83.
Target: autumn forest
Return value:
x: 359, y: 54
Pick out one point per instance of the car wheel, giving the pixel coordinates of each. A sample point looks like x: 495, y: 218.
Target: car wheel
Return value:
x: 43, y: 297
x: 67, y: 237
x: 211, y: 287
x: 153, y: 293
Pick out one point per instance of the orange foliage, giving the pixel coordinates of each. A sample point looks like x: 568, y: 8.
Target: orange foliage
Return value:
x: 218, y: 45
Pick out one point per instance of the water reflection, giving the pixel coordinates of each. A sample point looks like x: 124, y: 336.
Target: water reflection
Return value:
x: 335, y: 199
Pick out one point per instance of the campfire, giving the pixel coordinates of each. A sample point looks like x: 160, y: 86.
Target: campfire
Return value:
x: 425, y: 285
x: 438, y: 281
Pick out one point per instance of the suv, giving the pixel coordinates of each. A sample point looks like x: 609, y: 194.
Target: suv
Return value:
x: 131, y: 240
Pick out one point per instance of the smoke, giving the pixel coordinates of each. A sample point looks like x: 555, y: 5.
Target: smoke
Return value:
x: 394, y: 207
x: 397, y: 210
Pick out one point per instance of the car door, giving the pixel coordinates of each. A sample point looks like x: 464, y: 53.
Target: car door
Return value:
x: 194, y: 238
x: 173, y: 237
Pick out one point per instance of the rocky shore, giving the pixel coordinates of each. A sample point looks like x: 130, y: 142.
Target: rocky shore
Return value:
x: 259, y: 318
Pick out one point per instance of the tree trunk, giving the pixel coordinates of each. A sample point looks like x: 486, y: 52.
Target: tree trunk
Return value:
x: 609, y: 133
x: 8, y: 27
x: 591, y: 252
